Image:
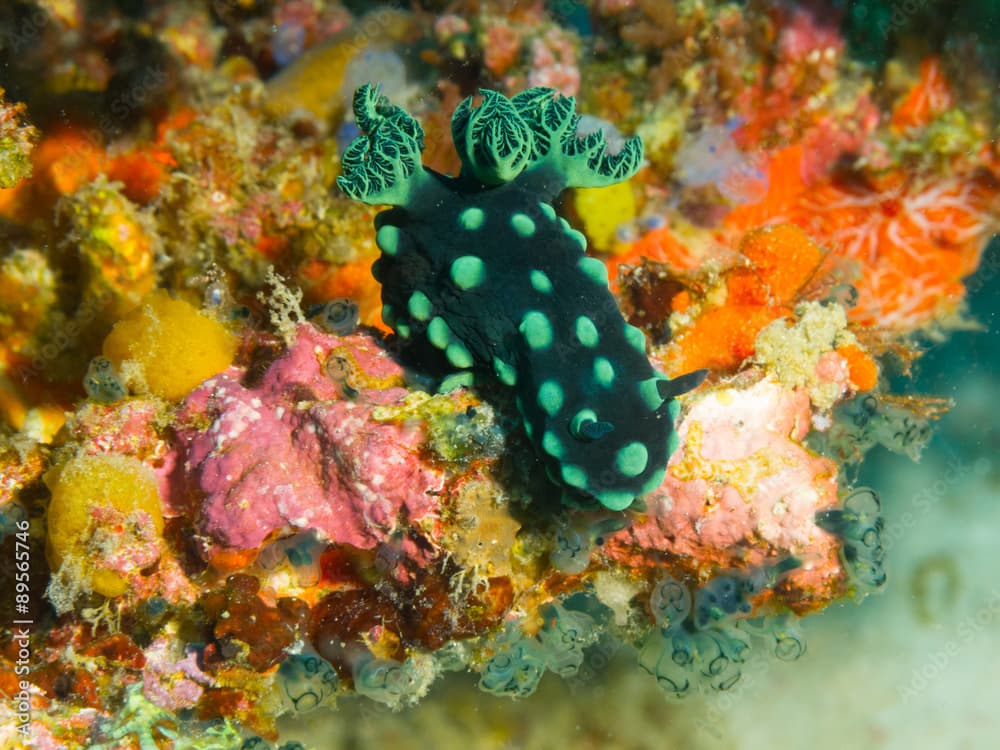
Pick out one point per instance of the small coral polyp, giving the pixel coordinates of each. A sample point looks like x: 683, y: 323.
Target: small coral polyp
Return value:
x: 479, y: 274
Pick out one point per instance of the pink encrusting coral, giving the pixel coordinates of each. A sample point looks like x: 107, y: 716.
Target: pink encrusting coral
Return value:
x: 128, y: 428
x: 293, y: 453
x: 742, y: 490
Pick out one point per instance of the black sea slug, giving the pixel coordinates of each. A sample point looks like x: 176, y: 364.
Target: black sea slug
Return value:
x: 479, y: 271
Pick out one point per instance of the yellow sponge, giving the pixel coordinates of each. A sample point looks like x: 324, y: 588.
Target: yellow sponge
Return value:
x: 602, y: 210
x: 88, y: 490
x: 175, y: 345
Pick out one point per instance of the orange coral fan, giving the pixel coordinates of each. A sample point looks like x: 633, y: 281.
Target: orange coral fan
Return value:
x: 914, y: 239
x: 927, y: 98
x: 911, y: 238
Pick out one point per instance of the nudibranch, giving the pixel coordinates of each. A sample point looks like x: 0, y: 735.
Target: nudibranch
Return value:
x: 480, y: 275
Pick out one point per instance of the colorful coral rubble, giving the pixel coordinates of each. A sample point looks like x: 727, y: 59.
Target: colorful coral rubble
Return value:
x: 258, y: 454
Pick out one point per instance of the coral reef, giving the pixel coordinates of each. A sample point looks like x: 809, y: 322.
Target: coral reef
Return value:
x: 260, y: 458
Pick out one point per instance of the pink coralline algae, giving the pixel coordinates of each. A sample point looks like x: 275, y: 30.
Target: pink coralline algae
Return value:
x: 170, y: 682
x: 294, y: 453
x: 742, y: 489
x: 553, y: 64
x: 129, y: 428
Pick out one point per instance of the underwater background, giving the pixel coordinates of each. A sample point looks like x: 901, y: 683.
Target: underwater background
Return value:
x: 499, y: 374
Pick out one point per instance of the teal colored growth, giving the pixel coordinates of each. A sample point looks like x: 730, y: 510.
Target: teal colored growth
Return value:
x: 307, y: 681
x: 519, y: 661
x: 858, y: 525
x: 703, y: 640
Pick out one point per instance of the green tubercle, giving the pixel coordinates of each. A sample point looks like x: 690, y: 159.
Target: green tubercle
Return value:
x: 457, y: 380
x: 594, y: 270
x: 458, y: 355
x: 578, y: 237
x: 471, y: 218
x: 631, y: 459
x: 540, y: 282
x: 419, y: 306
x: 536, y: 329
x: 586, y: 332
x: 438, y: 333
x: 553, y: 445
x: 550, y: 397
x: 387, y: 239
x: 468, y: 271
x: 506, y: 373
x: 523, y: 224
x: 650, y: 392
x: 574, y: 476
x: 636, y: 338
x: 615, y: 500
x: 604, y: 372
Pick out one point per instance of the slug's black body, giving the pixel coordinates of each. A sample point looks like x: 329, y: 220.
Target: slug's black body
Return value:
x: 479, y: 271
